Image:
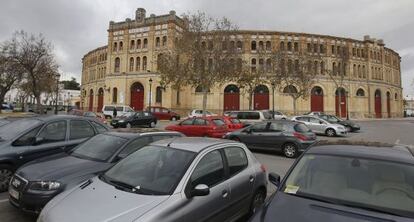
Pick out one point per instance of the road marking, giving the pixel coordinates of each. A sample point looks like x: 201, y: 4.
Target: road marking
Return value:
x: 4, y: 200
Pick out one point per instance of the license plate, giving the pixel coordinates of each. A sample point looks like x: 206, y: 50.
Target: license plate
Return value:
x: 13, y: 193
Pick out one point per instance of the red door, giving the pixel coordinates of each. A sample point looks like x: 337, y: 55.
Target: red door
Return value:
x: 343, y: 106
x: 137, y: 97
x: 231, y: 101
x: 261, y: 101
x: 91, y: 102
x: 378, y: 107
x: 317, y: 103
x: 100, y: 101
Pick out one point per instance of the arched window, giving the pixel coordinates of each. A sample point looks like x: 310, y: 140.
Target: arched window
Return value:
x: 253, y: 45
x: 290, y: 89
x: 315, y: 67
x: 224, y: 45
x: 131, y: 64
x: 321, y: 49
x: 261, y: 45
x: 333, y: 49
x: 138, y: 43
x: 132, y: 44
x: 253, y: 65
x: 157, y: 42
x: 354, y: 70
x: 164, y: 41
x: 117, y: 64
x: 396, y: 96
x: 268, y: 65
x: 121, y: 46
x: 138, y: 64
x: 261, y: 64
x: 115, y: 95
x: 203, y: 45
x: 199, y: 89
x: 364, y: 72
x: 289, y: 46
x: 358, y: 53
x: 144, y: 63
x: 115, y: 47
x: 315, y: 48
x: 334, y: 69
x: 145, y: 45
x: 317, y: 91
x: 158, y: 94
x: 239, y: 64
x: 309, y: 47
x: 290, y: 68
x: 232, y: 45
x: 296, y: 47
x: 360, y: 92
x: 322, y: 68
x: 268, y: 46
x: 353, y: 52
x: 282, y: 46
x: 359, y: 71
x: 239, y: 45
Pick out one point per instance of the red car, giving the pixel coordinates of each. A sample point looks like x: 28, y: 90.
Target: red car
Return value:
x: 233, y: 124
x: 163, y: 113
x: 212, y: 126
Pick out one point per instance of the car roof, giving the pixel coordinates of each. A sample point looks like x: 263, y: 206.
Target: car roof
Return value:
x: 193, y: 144
x: 137, y: 133
x: 403, y: 154
x: 59, y: 117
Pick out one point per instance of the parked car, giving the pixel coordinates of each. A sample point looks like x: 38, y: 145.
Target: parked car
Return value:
x: 37, y: 182
x: 199, y: 113
x: 278, y: 115
x: 321, y: 126
x: 163, y: 113
x: 182, y: 179
x: 32, y: 138
x: 133, y: 119
x: 281, y: 135
x: 345, y: 183
x: 314, y: 113
x: 249, y: 117
x: 349, y: 125
x: 232, y: 123
x: 212, y: 126
x: 98, y: 116
x: 108, y: 110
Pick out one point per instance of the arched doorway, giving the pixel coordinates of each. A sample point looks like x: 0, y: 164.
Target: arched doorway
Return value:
x: 261, y: 97
x: 340, y: 102
x: 231, y: 98
x: 91, y: 100
x: 316, y: 99
x: 389, y: 104
x: 137, y: 96
x: 378, y: 104
x: 100, y: 99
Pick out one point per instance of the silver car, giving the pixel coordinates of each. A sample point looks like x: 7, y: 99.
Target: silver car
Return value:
x: 183, y: 179
x: 321, y: 126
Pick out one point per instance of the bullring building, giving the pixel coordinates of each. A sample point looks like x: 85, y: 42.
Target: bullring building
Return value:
x: 124, y: 72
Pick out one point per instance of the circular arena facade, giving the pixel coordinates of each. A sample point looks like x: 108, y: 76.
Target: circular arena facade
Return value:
x: 124, y: 72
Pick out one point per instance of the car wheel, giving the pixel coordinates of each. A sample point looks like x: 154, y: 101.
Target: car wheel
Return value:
x: 290, y: 150
x: 6, y: 172
x: 330, y: 132
x: 257, y: 201
x: 174, y: 118
x: 128, y: 125
x: 152, y: 125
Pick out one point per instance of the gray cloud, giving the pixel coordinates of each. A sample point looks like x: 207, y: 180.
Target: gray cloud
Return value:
x: 77, y: 26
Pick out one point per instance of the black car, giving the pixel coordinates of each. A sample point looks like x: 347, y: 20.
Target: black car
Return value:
x: 348, y: 124
x: 28, y: 139
x: 132, y: 119
x: 344, y: 183
x: 288, y: 136
x: 37, y: 182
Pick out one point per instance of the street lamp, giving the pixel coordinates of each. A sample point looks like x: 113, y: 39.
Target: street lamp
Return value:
x: 150, y: 94
x: 273, y: 99
x: 57, y: 93
x: 346, y: 101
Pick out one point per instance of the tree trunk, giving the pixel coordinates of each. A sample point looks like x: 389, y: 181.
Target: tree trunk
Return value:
x: 39, y: 107
x: 1, y: 102
x: 294, y: 105
x: 250, y: 100
x: 204, y: 101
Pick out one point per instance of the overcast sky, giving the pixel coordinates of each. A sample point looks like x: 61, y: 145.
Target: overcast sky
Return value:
x: 77, y: 26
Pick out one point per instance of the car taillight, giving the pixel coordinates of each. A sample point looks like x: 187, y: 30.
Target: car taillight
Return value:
x: 300, y: 136
x: 263, y: 168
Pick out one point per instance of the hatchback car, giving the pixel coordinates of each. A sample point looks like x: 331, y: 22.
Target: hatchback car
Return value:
x: 163, y: 113
x: 37, y: 182
x: 349, y: 125
x: 232, y: 123
x: 32, y: 138
x: 281, y: 135
x: 201, y: 126
x: 132, y: 119
x: 251, y: 116
x: 321, y: 126
x: 345, y: 183
x: 182, y: 179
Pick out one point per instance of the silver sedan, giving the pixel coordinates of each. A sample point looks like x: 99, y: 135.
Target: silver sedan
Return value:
x: 321, y: 126
x: 183, y: 179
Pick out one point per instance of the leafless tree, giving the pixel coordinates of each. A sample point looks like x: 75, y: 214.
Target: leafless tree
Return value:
x: 10, y: 74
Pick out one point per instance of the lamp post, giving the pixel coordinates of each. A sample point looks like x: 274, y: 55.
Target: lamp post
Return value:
x: 150, y: 94
x: 346, y: 100
x: 57, y: 93
x: 273, y: 100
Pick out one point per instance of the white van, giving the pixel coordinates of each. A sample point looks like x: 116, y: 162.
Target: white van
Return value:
x: 108, y: 110
x: 249, y: 117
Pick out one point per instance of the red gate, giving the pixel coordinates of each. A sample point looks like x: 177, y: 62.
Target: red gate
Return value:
x: 231, y: 98
x: 378, y: 104
x: 317, y: 99
x: 261, y: 98
x: 137, y: 96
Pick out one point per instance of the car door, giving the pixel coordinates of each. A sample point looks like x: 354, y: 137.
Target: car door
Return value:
x: 210, y: 171
x: 317, y: 125
x: 200, y: 127
x: 273, y: 137
x: 241, y: 180
x: 251, y: 135
x: 79, y: 131
x: 51, y: 140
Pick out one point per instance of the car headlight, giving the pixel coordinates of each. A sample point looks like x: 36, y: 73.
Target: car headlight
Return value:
x: 45, y: 185
x: 121, y: 121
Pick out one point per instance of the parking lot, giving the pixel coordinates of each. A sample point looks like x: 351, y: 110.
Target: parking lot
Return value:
x: 384, y: 131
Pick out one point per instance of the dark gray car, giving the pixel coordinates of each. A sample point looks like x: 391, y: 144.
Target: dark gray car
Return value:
x: 182, y: 179
x: 281, y: 135
x: 28, y: 139
x: 37, y: 182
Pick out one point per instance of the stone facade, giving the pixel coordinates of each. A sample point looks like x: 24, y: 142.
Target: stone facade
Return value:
x: 120, y: 72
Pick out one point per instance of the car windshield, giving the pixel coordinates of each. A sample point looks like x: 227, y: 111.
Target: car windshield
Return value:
x: 267, y: 115
x: 128, y: 114
x: 152, y: 170
x: 100, y: 147
x: 15, y: 128
x: 370, y: 184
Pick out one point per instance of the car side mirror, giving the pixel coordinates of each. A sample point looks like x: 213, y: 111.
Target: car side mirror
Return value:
x: 274, y: 178
x: 200, y: 190
x: 37, y: 140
